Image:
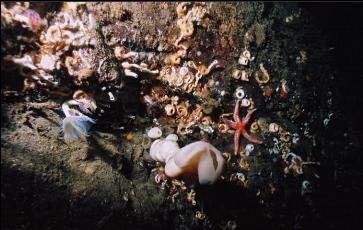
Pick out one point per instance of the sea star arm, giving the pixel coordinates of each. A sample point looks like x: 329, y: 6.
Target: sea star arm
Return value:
x: 247, y: 118
x: 251, y: 138
x: 230, y: 123
x: 237, y: 135
x: 236, y: 112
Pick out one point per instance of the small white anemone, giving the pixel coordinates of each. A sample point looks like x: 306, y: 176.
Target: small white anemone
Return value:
x: 75, y: 127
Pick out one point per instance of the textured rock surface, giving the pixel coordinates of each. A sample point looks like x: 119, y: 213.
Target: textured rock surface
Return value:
x: 108, y: 182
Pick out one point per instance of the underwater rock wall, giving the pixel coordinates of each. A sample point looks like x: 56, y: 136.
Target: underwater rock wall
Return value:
x: 182, y: 67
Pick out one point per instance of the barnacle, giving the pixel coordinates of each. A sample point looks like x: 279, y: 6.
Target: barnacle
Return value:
x: 181, y: 9
x: 146, y: 142
x: 206, y: 120
x: 245, y: 102
x: 236, y: 74
x: 182, y: 110
x: 245, y: 57
x: 182, y: 128
x: 227, y: 156
x: 199, y: 215
x: 265, y: 76
x: 254, y: 127
x: 48, y: 62
x: 174, y: 100
x: 223, y: 128
x: 284, y: 89
x: 53, y: 35
x: 244, y: 76
x: 186, y: 27
x: 154, y: 132
x: 243, y: 163
x: 240, y: 93
x: 196, y: 114
x: 248, y: 149
x: 79, y: 65
x: 267, y: 91
x: 294, y: 162
x: 142, y: 67
x: 120, y: 53
x: 169, y: 109
x: 173, y: 59
x: 273, y: 127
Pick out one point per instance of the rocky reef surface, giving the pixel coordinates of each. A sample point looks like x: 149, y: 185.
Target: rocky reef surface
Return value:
x: 84, y: 83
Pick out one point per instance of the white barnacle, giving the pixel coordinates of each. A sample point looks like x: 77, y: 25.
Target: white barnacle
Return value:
x: 244, y: 76
x: 245, y: 102
x: 249, y: 149
x: 240, y: 93
x: 243, y: 60
x: 154, y: 132
x: 48, y: 62
x: 305, y: 187
x: 110, y: 94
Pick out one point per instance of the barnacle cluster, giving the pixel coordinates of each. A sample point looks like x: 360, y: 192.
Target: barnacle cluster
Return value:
x: 67, y: 32
x: 182, y: 76
x: 20, y: 13
x: 187, y: 76
x: 187, y: 116
x: 187, y: 18
x: 131, y: 69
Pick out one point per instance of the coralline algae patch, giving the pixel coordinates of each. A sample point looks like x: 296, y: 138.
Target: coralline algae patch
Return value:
x: 186, y: 82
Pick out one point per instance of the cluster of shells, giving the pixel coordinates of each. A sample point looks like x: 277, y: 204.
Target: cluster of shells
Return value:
x: 185, y: 75
x: 187, y: 116
x: 67, y: 32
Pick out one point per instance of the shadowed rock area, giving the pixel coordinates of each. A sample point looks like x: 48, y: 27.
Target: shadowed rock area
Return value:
x: 181, y: 67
